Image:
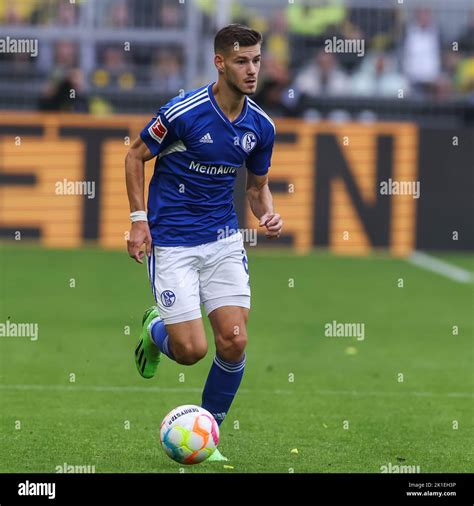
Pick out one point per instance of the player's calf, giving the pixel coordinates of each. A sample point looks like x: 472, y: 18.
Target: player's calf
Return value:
x: 187, y: 341
x: 190, y: 352
x: 227, y: 370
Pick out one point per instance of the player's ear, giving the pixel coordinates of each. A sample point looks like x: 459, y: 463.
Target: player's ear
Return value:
x: 219, y: 63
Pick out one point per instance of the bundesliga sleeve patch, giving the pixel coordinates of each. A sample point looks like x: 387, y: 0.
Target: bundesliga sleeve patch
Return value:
x: 158, y: 131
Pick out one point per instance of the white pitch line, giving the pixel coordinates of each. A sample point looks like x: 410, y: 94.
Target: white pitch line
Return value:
x: 440, y: 267
x: 94, y: 388
x: 388, y: 394
x: 105, y: 388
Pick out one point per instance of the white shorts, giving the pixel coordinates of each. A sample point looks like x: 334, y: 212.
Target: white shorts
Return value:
x: 184, y: 277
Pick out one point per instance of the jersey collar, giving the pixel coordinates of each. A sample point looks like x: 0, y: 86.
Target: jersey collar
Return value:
x: 216, y: 107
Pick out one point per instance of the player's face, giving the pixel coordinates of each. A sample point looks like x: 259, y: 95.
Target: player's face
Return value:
x: 241, y: 69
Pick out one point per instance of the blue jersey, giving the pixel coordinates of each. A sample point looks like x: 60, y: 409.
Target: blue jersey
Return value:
x: 199, y: 151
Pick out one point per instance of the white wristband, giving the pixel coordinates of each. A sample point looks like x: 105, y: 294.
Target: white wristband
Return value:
x: 138, y: 216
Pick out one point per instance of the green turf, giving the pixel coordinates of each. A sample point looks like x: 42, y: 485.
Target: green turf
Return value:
x: 83, y: 331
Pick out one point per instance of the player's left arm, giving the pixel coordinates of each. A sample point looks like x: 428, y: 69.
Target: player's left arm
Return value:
x: 261, y: 203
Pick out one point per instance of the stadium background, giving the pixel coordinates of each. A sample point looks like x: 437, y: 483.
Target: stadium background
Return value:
x: 345, y: 123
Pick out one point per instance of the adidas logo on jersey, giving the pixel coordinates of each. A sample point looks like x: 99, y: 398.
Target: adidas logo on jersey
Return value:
x: 207, y: 138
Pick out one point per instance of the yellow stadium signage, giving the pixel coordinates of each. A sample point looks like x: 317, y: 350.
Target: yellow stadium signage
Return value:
x: 347, y: 187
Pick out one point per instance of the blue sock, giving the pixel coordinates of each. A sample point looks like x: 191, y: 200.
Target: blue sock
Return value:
x: 222, y: 384
x: 159, y: 336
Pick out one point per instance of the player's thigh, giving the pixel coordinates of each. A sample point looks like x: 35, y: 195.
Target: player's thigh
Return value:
x: 229, y: 324
x: 187, y: 341
x: 174, y: 278
x: 224, y: 276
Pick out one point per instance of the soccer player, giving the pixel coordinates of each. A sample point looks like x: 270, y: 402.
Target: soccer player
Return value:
x: 194, y: 247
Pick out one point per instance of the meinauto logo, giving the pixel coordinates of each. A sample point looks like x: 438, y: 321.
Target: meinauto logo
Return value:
x: 212, y: 169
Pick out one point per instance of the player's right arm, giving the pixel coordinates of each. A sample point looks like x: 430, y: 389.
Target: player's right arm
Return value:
x: 135, y: 160
x: 162, y: 131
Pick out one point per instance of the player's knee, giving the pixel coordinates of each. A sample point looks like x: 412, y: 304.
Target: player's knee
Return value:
x: 232, y: 348
x: 189, y: 353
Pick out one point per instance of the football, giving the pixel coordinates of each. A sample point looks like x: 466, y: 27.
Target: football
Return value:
x: 189, y: 434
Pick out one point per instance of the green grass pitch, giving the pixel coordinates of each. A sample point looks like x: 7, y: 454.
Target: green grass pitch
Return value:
x: 339, y: 401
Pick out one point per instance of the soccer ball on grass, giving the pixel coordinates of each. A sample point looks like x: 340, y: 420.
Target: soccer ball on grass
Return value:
x: 189, y: 434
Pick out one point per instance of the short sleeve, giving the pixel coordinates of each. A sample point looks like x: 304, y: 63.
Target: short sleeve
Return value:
x: 259, y: 160
x: 159, y: 133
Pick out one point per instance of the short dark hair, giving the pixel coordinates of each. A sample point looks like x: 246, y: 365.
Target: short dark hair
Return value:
x: 228, y: 36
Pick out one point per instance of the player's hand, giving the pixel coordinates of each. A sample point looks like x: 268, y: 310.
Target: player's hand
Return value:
x: 139, y: 236
x: 273, y: 224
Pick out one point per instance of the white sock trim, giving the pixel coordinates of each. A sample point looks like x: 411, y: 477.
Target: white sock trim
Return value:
x: 230, y: 366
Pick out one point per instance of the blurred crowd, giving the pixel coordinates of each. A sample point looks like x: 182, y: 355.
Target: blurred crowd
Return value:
x: 107, y: 13
x: 313, y: 52
x: 304, y: 54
